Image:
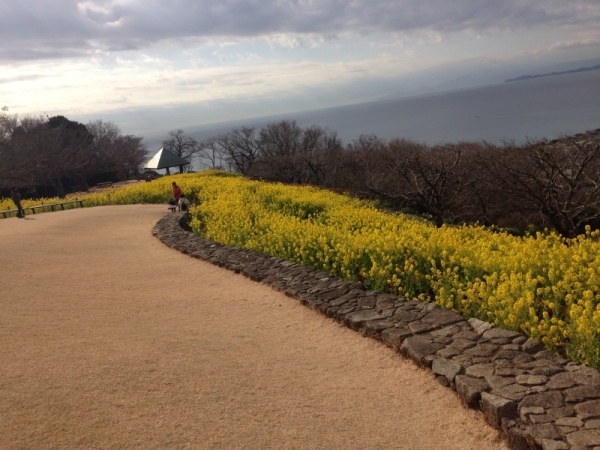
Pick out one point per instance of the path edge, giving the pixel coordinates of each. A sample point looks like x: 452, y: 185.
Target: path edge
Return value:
x: 535, y: 398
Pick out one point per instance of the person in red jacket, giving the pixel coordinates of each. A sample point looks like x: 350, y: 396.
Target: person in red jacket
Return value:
x: 177, y: 191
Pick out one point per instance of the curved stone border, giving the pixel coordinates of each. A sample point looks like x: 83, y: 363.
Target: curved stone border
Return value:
x: 537, y: 399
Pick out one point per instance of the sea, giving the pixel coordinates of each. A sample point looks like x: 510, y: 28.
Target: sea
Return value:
x: 546, y: 107
x: 517, y: 111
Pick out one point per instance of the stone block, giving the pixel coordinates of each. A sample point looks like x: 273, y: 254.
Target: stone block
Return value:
x: 332, y: 311
x: 480, y: 370
x: 486, y: 350
x: 479, y: 326
x: 510, y: 347
x: 526, y: 411
x: 564, y: 430
x: 569, y: 422
x: 315, y: 304
x: 440, y: 317
x: 582, y: 393
x: 407, y: 317
x: 448, y: 331
x: 442, y: 339
x: 588, y: 410
x: 343, y: 311
x: 374, y: 328
x: 468, y: 335
x: 496, y: 382
x: 531, y: 380
x: 532, y: 346
x: 555, y: 414
x: 518, y: 439
x: 510, y: 355
x: 593, y: 424
x: 462, y: 344
x: 531, y: 364
x: 357, y: 319
x: 543, y: 431
x: 446, y: 368
x: 448, y: 352
x: 443, y: 381
x: 393, y: 337
x: 547, y: 355
x: 385, y: 303
x: 499, y: 333
x: 547, y: 370
x: 367, y: 301
x: 418, y: 348
x: 351, y: 295
x: 520, y: 340
x: 514, y: 392
x: 562, y: 380
x: 420, y: 327
x: 586, y: 376
x: 584, y: 439
x: 333, y: 294
x: 551, y: 444
x: 496, y: 408
x: 469, y: 389
x: 551, y: 399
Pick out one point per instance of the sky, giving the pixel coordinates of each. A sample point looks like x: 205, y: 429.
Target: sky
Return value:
x: 148, y: 65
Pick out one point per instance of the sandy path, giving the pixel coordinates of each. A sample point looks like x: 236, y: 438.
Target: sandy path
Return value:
x: 101, y: 347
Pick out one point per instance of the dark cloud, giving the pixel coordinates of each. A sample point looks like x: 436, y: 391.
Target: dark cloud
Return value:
x: 55, y: 28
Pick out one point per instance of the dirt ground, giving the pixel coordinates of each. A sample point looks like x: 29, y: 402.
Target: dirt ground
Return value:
x: 111, y: 340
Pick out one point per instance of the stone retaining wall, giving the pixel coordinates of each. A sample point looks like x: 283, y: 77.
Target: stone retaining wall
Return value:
x: 538, y: 399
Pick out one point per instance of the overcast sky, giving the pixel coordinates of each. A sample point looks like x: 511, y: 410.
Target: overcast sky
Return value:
x: 206, y: 61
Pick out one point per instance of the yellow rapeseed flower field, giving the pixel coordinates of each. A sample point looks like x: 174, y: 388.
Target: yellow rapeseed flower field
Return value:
x: 544, y: 285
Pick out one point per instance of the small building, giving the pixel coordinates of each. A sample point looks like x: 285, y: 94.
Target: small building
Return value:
x: 164, y: 159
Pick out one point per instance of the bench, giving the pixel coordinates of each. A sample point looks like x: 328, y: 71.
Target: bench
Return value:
x: 105, y: 184
x: 52, y: 206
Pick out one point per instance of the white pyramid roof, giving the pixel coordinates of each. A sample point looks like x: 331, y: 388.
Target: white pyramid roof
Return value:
x: 164, y: 159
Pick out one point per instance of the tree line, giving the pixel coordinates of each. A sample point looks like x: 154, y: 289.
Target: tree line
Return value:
x: 535, y: 185
x: 532, y: 186
x: 51, y: 156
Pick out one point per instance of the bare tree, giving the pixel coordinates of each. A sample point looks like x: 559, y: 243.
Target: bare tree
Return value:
x: 240, y: 148
x: 293, y: 154
x: 479, y: 200
x: 378, y: 164
x: 320, y: 152
x: 366, y: 166
x: 414, y: 176
x: 7, y: 124
x: 183, y: 146
x: 560, y: 181
x: 280, y: 157
x: 128, y: 156
x: 211, y: 154
x: 114, y: 152
x: 11, y: 166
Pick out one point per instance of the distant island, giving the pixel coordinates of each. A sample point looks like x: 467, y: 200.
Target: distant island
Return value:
x: 529, y: 77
